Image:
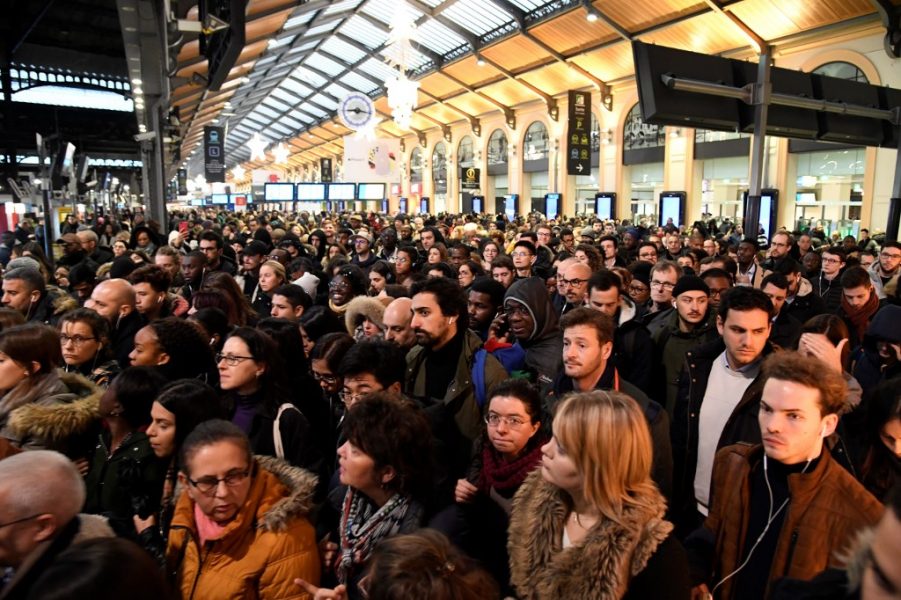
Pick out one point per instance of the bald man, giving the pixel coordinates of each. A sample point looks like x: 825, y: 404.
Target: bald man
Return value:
x: 398, y: 316
x: 574, y: 282
x: 114, y: 300
x: 41, y: 494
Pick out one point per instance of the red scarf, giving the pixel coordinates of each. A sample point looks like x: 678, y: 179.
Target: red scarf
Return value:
x: 501, y: 475
x: 860, y: 317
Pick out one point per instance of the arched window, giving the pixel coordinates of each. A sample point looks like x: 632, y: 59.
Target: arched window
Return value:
x: 497, y: 148
x: 465, y: 152
x: 638, y: 135
x: 535, y: 144
x: 595, y: 136
x: 439, y: 168
x: 416, y: 165
x: 842, y: 70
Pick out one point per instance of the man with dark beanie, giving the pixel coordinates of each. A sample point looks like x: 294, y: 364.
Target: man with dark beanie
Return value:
x: 688, y: 324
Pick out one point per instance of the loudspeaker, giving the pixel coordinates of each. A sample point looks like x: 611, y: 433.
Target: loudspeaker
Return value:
x: 663, y: 106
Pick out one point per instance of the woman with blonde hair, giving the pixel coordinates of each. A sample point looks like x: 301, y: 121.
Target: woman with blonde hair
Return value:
x: 589, y: 524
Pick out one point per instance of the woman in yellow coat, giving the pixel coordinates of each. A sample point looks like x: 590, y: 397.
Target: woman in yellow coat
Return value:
x: 241, y: 526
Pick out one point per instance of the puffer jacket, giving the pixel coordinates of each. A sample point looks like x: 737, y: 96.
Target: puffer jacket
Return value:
x: 268, y: 543
x: 805, y: 304
x: 60, y: 411
x: 828, y: 506
x: 53, y: 304
x: 633, y: 349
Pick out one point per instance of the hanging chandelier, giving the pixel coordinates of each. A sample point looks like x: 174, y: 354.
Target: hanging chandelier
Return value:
x: 402, y: 92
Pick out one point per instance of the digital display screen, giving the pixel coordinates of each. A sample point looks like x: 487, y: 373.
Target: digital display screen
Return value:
x: 371, y: 191
x: 511, y: 206
x: 385, y: 206
x: 220, y: 198
x: 478, y: 204
x: 278, y: 192
x: 424, y: 206
x: 806, y: 197
x: 341, y: 191
x: 552, y: 205
x: 603, y: 206
x: 402, y: 205
x: 766, y: 213
x: 671, y: 208
x: 196, y: 201
x: 311, y: 191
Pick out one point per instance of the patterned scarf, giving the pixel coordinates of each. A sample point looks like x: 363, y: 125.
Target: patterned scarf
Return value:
x: 860, y: 317
x: 501, y: 475
x: 362, y: 529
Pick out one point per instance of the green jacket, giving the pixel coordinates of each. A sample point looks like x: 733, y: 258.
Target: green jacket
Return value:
x: 460, y: 398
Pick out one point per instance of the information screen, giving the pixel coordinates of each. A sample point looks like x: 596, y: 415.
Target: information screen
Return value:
x: 603, y: 205
x: 402, y: 205
x: 552, y: 205
x: 341, y: 191
x: 278, y: 192
x: 511, y: 206
x: 371, y: 191
x: 671, y: 208
x: 220, y: 198
x: 424, y: 206
x: 478, y: 204
x: 310, y: 191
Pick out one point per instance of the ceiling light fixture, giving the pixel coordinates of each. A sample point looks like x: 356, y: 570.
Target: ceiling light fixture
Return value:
x: 402, y: 91
x: 479, y: 60
x: 136, y: 81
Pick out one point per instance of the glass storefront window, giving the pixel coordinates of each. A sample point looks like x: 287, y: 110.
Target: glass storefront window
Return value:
x: 829, y: 189
x: 439, y: 176
x: 646, y: 185
x: 724, y: 181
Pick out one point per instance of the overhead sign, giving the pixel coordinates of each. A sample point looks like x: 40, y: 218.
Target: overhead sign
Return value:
x: 372, y: 160
x: 578, y: 140
x: 182, y: 182
x: 214, y: 154
x: 325, y: 170
x: 469, y: 178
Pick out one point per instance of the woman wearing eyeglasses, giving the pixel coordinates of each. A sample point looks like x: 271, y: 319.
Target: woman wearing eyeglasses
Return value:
x: 510, y: 449
x: 590, y: 523
x: 84, y: 340
x: 241, y: 528
x: 251, y: 376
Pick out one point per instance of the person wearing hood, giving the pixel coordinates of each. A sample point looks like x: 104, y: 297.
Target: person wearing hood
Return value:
x: 42, y: 407
x: 801, y: 302
x: 365, y: 318
x: 533, y: 322
x: 25, y: 290
x: 241, y: 526
x: 879, y: 358
x: 633, y: 349
x: 688, y: 324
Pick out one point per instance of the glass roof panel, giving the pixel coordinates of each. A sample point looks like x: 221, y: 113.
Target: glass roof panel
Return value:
x: 321, y: 63
x: 308, y: 76
x: 279, y: 42
x: 312, y: 110
x: 348, y: 53
x: 377, y: 67
x: 295, y: 86
x: 276, y: 104
x: 478, y: 16
x: 364, y: 32
x: 285, y: 96
x: 358, y: 82
x: 437, y: 37
x: 384, y: 10
x: 338, y: 7
x: 325, y: 101
x: 292, y: 123
x: 325, y: 27
x: 299, y: 20
x: 264, y: 111
x: 337, y: 91
x: 527, y: 5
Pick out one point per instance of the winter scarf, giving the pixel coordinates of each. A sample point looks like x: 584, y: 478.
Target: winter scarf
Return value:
x: 860, y: 316
x: 362, y: 528
x: 338, y: 310
x: 502, y: 475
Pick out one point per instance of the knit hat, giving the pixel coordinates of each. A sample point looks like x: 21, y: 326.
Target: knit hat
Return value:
x: 690, y: 283
x: 641, y: 271
x: 122, y: 267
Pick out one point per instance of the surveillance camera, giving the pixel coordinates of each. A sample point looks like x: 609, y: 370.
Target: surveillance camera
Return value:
x: 147, y: 136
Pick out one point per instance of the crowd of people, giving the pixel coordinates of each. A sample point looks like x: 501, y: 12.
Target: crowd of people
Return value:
x: 272, y: 405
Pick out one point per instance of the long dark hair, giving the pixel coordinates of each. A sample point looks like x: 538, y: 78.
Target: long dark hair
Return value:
x: 192, y: 402
x: 273, y: 383
x: 884, y: 406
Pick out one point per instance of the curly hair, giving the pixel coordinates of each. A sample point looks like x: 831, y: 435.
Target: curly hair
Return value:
x: 158, y: 279
x: 394, y: 432
x: 190, y: 356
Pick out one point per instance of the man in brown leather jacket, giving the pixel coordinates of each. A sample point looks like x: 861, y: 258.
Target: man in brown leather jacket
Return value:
x: 786, y: 508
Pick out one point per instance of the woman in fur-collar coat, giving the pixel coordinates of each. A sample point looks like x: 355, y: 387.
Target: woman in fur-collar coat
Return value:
x: 589, y: 524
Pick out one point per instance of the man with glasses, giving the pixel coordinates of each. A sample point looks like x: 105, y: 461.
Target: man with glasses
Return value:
x: 573, y: 283
x: 885, y: 272
x: 523, y: 258
x: 647, y: 252
x: 587, y: 349
x: 41, y: 495
x: 828, y: 285
x: 364, y: 257
x: 780, y: 247
x: 664, y: 275
x: 211, y: 244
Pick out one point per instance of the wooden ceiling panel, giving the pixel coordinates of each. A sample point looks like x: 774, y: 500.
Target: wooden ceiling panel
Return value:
x: 468, y: 71
x: 555, y: 79
x: 442, y: 113
x: 515, y: 53
x: 709, y: 33
x: 572, y: 32
x: 510, y: 93
x: 473, y: 104
x: 608, y: 64
x: 777, y: 18
x: 260, y: 6
x: 635, y: 16
x: 438, y: 85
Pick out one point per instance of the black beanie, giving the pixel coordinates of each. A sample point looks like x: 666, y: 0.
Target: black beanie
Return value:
x: 690, y: 283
